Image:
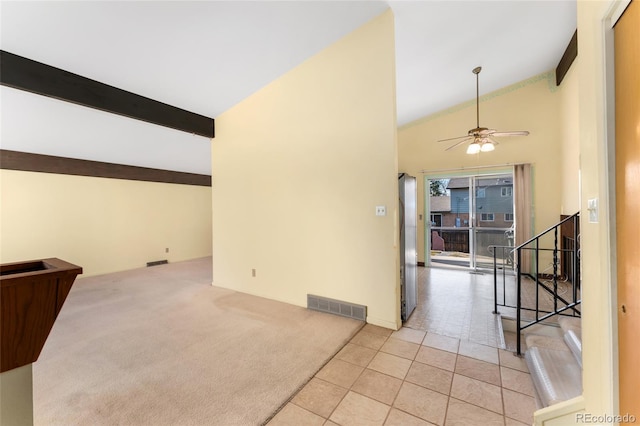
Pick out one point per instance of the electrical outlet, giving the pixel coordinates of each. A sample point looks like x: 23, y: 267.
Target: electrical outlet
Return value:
x: 381, y: 211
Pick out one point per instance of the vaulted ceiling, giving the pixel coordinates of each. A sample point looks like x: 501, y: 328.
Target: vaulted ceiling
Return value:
x: 206, y: 56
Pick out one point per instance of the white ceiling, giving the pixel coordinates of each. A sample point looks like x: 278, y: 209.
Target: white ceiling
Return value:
x: 206, y: 56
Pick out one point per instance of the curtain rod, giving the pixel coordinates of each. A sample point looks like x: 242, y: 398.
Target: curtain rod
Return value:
x: 495, y: 166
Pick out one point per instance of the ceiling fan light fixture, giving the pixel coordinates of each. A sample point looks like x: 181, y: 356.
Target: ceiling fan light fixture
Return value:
x: 481, y: 136
x: 473, y: 148
x: 487, y: 146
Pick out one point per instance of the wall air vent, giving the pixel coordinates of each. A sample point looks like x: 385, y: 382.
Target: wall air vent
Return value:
x: 157, y: 262
x: 337, y: 307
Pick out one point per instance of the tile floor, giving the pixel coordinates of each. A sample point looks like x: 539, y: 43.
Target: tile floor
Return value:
x: 445, y: 367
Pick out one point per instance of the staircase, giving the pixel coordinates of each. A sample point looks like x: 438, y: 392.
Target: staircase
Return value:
x: 547, y: 309
x: 555, y: 364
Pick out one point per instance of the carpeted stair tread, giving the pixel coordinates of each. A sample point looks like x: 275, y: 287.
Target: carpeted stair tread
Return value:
x: 567, y: 323
x: 572, y: 328
x: 535, y: 340
x: 573, y: 339
x: 556, y: 374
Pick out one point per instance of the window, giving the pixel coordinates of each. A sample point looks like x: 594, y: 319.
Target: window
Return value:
x: 486, y: 217
x: 506, y: 191
x: 481, y: 192
x: 436, y: 219
x: 508, y: 217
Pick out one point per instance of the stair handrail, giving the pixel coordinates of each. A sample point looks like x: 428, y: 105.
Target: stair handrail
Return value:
x: 519, y: 274
x: 575, y: 277
x: 551, y: 228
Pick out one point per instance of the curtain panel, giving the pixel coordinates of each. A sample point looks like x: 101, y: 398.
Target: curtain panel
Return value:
x: 524, y: 211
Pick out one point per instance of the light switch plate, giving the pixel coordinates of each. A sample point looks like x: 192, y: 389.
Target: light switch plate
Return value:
x: 381, y: 211
x: 592, y: 208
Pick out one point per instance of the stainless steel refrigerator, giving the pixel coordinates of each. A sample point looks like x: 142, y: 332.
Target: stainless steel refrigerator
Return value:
x: 408, y: 193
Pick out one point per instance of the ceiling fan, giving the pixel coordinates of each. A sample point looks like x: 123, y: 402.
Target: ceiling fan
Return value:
x: 481, y: 137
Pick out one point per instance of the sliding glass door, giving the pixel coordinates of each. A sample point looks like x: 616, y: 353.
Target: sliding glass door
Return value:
x: 494, y: 219
x: 468, y: 218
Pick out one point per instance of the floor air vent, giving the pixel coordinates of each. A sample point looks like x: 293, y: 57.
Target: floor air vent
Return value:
x: 345, y: 309
x: 157, y: 262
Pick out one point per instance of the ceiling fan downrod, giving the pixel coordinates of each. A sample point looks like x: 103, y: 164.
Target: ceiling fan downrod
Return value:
x: 476, y: 71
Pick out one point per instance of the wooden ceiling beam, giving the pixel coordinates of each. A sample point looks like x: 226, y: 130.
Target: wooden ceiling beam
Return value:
x: 26, y: 74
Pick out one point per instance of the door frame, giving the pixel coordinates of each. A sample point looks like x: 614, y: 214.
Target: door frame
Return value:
x: 609, y: 389
x: 609, y: 20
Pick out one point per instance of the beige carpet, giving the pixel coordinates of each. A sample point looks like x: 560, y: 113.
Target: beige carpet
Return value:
x: 161, y: 346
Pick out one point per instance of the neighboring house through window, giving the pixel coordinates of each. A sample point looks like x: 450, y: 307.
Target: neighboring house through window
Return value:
x: 487, y: 217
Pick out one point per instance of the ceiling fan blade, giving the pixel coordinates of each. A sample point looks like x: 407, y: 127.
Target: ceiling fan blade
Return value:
x: 493, y: 141
x: 481, y: 134
x: 451, y: 139
x: 514, y: 133
x: 458, y: 144
x: 486, y: 132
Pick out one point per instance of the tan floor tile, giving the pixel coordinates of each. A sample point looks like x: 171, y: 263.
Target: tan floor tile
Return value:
x: 518, y: 406
x: 430, y: 377
x: 437, y: 358
x: 438, y: 341
x: 511, y: 360
x: 356, y: 354
x: 400, y: 348
x: 409, y: 335
x: 476, y: 369
x: 390, y: 364
x: 478, y: 393
x: 378, y: 386
x: 369, y: 340
x: 320, y: 397
x: 400, y: 418
x: 374, y: 329
x: 511, y: 422
x: 340, y: 373
x: 462, y: 414
x: 421, y: 402
x: 517, y: 381
x: 356, y: 409
x: 478, y: 351
x: 292, y: 415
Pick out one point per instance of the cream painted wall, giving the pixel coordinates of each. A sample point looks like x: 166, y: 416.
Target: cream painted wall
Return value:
x: 103, y: 225
x: 16, y: 396
x: 570, y: 168
x: 599, y: 332
x: 599, y: 336
x: 298, y: 170
x: 532, y: 105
